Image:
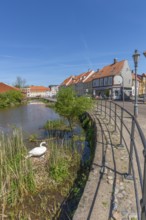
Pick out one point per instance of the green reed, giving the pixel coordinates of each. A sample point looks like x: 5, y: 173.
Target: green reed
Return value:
x: 59, y: 124
x: 21, y: 186
x: 63, y: 159
x: 16, y: 175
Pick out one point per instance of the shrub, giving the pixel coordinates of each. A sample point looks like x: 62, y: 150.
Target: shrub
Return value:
x: 10, y: 98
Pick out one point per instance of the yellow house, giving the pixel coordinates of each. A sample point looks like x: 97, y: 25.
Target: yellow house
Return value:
x: 143, y: 83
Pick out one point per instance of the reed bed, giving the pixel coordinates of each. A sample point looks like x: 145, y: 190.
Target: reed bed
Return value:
x: 16, y: 175
x: 44, y: 182
x: 64, y: 159
x: 59, y: 124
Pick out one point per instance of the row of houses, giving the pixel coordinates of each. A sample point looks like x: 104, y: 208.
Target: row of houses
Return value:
x: 114, y: 81
x: 41, y: 91
x: 32, y: 91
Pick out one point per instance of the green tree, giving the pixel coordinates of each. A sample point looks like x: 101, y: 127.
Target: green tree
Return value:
x: 10, y: 98
x: 70, y: 106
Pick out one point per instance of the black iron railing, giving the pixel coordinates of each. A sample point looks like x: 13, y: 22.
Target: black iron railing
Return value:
x: 129, y: 129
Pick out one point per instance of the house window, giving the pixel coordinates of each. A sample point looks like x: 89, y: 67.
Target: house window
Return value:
x: 101, y: 82
x: 116, y: 92
x: 110, y: 81
x: 105, y: 81
x: 96, y: 83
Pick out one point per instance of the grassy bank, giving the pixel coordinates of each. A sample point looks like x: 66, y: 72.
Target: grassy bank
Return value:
x: 34, y: 188
x: 42, y: 188
x: 71, y: 202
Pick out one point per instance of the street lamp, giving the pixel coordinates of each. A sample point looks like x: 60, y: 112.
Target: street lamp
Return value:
x: 144, y: 99
x: 123, y: 95
x: 136, y: 56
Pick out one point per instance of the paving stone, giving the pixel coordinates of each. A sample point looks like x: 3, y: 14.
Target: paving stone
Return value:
x: 122, y: 187
x: 117, y: 216
x: 120, y: 196
x: 104, y: 170
x: 133, y: 215
x: 116, y: 191
x: 110, y: 182
x: 110, y: 177
x: 124, y: 193
x: 124, y: 213
x: 115, y: 206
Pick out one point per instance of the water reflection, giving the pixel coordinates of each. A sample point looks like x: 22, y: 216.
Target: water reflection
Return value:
x: 30, y: 118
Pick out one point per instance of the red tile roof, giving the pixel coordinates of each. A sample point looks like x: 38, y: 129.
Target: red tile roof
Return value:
x: 110, y: 70
x: 79, y: 78
x: 82, y: 77
x: 76, y: 79
x: 5, y: 88
x: 67, y: 81
x: 39, y: 89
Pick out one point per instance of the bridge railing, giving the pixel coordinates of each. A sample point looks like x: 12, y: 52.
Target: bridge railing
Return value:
x: 133, y: 139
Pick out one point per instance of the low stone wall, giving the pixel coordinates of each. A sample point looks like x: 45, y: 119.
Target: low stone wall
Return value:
x: 107, y: 194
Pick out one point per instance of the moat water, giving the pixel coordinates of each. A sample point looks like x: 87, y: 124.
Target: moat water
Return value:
x: 30, y: 118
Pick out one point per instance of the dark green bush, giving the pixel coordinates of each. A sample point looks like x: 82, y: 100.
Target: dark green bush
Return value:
x: 10, y: 98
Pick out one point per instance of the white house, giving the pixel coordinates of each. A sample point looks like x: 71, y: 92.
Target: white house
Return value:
x: 37, y: 91
x: 53, y: 90
x: 114, y: 80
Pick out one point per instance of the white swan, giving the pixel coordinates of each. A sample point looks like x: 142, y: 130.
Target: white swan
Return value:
x: 37, y: 151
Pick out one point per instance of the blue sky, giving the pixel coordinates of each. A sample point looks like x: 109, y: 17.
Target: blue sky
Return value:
x: 45, y: 41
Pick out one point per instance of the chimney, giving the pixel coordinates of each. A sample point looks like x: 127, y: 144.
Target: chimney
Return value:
x: 98, y: 70
x: 115, y: 60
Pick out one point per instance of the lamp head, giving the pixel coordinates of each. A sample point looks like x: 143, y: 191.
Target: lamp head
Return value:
x: 144, y: 53
x: 136, y: 56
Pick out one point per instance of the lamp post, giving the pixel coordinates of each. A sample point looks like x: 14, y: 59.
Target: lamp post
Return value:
x: 123, y: 95
x: 136, y: 56
x: 144, y: 53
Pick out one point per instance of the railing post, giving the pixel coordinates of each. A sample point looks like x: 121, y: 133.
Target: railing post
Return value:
x: 105, y: 108
x: 143, y: 201
x: 121, y: 130
x: 129, y: 176
x: 115, y: 117
x: 101, y: 106
x: 110, y: 113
